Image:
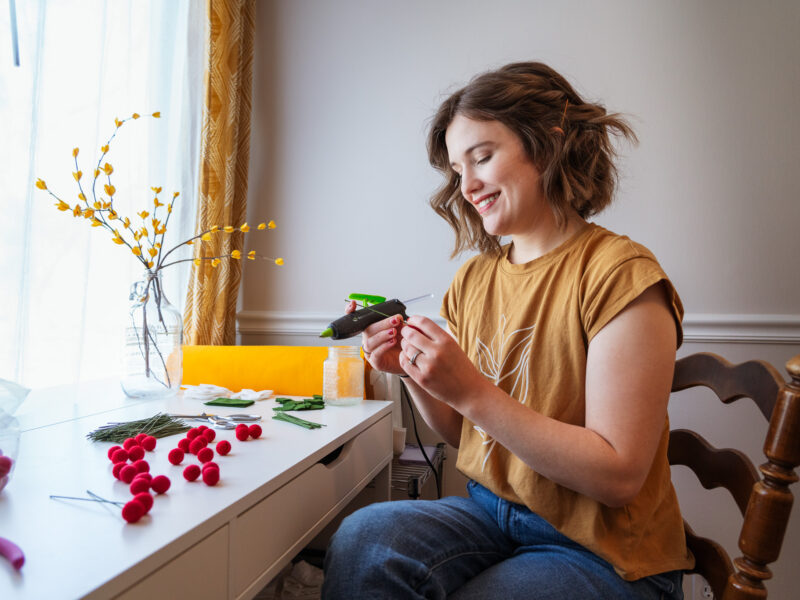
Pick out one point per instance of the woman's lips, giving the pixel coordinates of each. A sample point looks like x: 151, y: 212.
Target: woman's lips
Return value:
x: 486, y: 202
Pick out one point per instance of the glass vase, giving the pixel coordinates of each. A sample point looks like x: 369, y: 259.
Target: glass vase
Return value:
x: 152, y: 356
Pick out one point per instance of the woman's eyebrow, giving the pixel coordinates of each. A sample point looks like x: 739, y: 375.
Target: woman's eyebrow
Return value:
x: 471, y: 149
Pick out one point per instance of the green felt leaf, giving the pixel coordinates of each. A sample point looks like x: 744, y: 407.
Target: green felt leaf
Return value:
x: 229, y: 402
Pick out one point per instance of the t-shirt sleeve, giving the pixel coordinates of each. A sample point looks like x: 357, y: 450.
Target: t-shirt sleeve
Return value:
x: 608, y: 291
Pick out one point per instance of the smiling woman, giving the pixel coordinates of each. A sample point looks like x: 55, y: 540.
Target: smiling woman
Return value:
x: 552, y: 380
x: 81, y: 66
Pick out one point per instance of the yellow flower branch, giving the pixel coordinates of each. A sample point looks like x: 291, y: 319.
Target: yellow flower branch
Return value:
x: 101, y: 213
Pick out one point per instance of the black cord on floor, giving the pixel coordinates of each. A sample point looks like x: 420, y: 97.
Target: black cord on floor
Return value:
x: 404, y: 393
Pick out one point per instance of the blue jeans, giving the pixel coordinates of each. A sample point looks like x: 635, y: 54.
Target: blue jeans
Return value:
x: 475, y: 548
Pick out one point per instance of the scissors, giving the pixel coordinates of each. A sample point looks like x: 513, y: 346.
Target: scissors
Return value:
x: 222, y: 421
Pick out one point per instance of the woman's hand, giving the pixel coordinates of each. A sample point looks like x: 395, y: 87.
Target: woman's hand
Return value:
x: 379, y: 342
x: 437, y: 363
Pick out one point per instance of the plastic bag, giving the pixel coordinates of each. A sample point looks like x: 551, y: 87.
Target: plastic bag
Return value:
x: 11, y: 397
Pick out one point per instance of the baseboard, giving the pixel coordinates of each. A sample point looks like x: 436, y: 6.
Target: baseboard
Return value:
x: 697, y: 327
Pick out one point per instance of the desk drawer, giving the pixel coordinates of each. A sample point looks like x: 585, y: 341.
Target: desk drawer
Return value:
x: 198, y: 573
x: 267, y: 536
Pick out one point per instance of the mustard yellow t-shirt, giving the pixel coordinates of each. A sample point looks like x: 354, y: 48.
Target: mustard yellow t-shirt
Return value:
x: 527, y: 328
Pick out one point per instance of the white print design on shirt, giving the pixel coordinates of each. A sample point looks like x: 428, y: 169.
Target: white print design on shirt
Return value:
x: 493, y: 363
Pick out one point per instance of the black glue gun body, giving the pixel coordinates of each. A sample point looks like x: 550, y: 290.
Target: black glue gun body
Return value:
x: 356, y: 322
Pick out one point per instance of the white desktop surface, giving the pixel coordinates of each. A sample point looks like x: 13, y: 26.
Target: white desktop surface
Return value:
x: 79, y: 549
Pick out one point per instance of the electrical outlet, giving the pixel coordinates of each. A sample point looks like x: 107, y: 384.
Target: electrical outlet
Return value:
x: 695, y: 587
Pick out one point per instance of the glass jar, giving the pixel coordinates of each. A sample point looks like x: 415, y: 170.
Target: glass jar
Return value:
x: 343, y: 376
x: 152, y: 356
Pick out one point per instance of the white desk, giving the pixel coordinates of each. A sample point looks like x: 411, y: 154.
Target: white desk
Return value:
x: 226, y: 541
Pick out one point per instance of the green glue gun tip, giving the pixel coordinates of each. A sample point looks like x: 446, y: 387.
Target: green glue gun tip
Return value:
x: 327, y: 333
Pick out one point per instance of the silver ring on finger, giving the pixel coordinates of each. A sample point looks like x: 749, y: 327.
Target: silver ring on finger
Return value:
x: 413, y: 360
x: 365, y: 351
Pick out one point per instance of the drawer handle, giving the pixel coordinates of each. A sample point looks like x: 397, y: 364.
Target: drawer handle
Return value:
x: 334, y: 457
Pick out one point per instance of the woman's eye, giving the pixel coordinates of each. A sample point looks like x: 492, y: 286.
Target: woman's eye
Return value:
x: 483, y: 159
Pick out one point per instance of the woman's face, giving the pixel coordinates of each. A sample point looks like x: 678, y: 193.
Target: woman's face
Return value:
x: 497, y: 177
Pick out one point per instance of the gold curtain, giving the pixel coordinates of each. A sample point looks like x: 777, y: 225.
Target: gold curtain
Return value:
x: 210, y: 314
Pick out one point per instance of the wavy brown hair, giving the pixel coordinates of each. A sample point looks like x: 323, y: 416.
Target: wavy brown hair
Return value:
x: 568, y: 139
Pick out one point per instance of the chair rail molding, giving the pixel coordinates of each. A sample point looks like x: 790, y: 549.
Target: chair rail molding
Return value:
x: 272, y: 322
x: 742, y: 328
x: 697, y: 327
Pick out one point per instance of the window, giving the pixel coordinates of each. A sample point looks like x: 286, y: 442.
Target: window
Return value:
x: 64, y: 290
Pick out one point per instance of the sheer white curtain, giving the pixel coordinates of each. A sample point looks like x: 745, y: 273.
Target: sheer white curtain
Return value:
x: 63, y: 284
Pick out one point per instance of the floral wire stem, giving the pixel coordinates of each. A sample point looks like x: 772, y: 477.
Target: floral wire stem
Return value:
x: 94, y: 498
x: 159, y: 294
x: 99, y: 499
x: 104, y: 149
x: 148, y: 335
x: 159, y: 425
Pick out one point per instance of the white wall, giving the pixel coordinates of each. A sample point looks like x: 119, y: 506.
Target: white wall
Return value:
x: 344, y: 91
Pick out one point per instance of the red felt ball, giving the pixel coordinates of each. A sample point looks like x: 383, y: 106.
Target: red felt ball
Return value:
x: 149, y: 443
x: 255, y: 431
x: 133, y: 511
x: 205, y: 455
x: 210, y: 476
x: 127, y: 473
x: 142, y: 466
x: 197, y: 444
x: 129, y: 443
x: 242, y: 434
x: 223, y: 447
x: 112, y: 450
x: 175, y: 456
x: 183, y: 444
x: 202, y: 428
x: 136, y: 453
x: 139, y: 484
x: 117, y: 468
x: 209, y: 434
x: 139, y: 437
x: 192, y: 433
x: 191, y: 472
x: 120, y: 455
x: 144, y: 475
x: 160, y: 484
x: 210, y: 465
x: 145, y: 499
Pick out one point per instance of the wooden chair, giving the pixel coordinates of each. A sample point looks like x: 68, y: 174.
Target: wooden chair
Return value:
x: 765, y: 502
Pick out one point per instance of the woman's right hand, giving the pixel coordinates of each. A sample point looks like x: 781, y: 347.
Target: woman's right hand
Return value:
x: 381, y: 343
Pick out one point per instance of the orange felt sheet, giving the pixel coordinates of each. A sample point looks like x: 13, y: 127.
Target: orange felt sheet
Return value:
x: 287, y: 370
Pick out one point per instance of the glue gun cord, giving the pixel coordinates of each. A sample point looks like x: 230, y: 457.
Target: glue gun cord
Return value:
x: 405, y: 394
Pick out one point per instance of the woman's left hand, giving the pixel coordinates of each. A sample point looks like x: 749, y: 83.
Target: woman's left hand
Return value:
x: 435, y: 361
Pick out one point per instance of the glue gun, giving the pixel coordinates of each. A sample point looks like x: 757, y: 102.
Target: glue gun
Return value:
x: 375, y: 309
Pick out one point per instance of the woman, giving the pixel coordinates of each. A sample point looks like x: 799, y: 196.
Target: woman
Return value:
x: 553, y: 380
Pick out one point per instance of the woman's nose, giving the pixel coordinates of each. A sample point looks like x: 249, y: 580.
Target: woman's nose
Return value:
x: 469, y: 183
